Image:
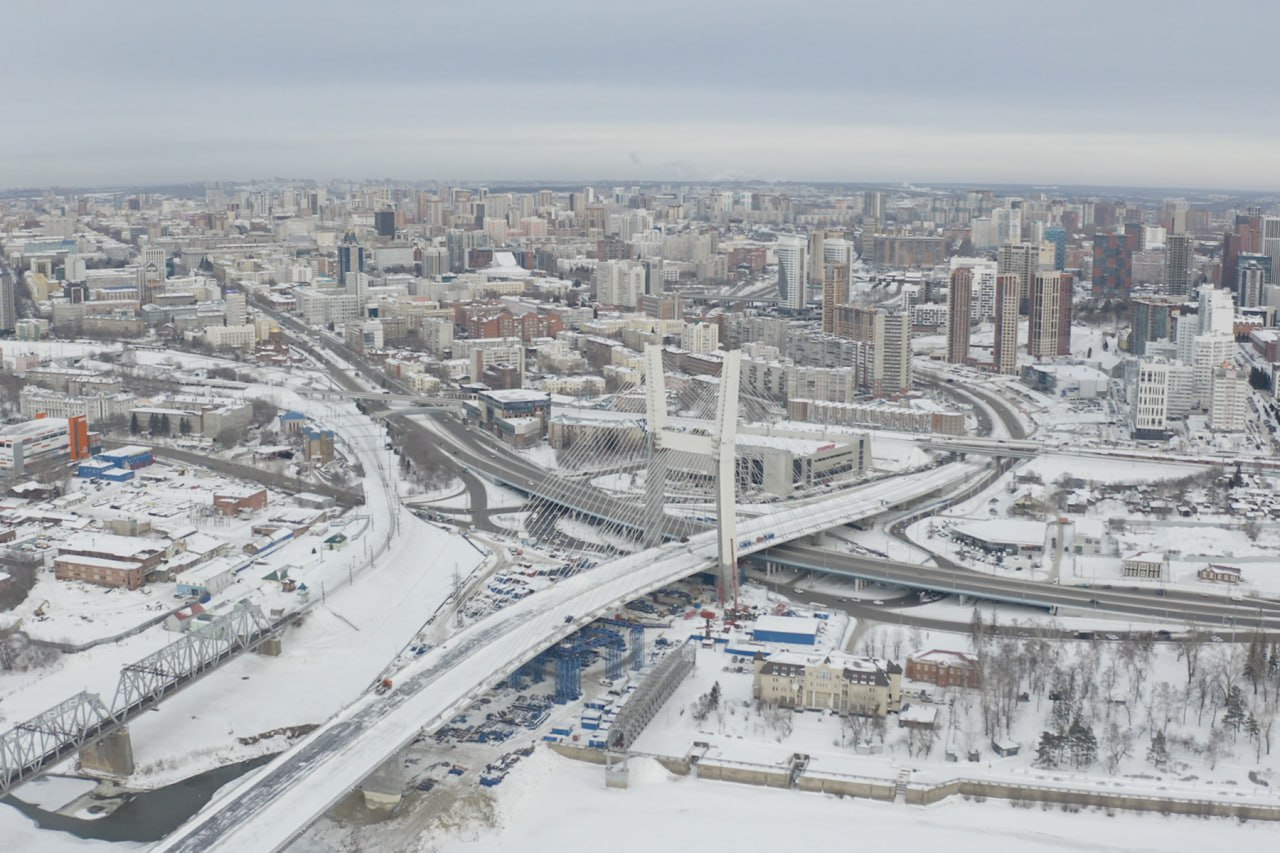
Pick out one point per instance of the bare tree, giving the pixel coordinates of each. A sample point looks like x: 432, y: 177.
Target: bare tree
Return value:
x: 1119, y: 746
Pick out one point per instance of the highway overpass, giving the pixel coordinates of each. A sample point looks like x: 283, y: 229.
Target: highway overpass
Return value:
x: 1112, y: 599
x: 268, y: 809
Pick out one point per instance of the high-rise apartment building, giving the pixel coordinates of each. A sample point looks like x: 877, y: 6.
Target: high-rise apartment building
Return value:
x: 620, y: 283
x: 153, y: 272
x: 1228, y: 409
x: 1217, y: 312
x: 8, y: 302
x: 1208, y: 353
x: 1005, y: 345
x: 1152, y: 321
x: 1271, y: 240
x: 835, y: 293
x: 1022, y: 260
x: 817, y: 256
x: 350, y: 257
x: 1250, y: 280
x: 1056, y: 236
x: 1177, y: 257
x: 891, y: 371
x: 793, y: 270
x: 1113, y: 264
x: 959, y: 315
x: 1049, y: 326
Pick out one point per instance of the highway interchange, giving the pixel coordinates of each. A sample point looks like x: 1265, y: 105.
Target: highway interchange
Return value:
x: 270, y: 806
x: 480, y: 454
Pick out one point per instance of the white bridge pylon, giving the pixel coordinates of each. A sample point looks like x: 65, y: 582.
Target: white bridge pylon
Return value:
x: 720, y: 447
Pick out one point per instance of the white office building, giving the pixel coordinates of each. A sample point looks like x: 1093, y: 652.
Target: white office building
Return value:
x: 1151, y: 399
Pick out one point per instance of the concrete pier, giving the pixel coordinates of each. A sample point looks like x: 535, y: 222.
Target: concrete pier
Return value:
x: 111, y: 756
x: 384, y: 788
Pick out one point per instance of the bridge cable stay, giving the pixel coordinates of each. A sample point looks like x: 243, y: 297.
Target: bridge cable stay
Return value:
x: 617, y: 523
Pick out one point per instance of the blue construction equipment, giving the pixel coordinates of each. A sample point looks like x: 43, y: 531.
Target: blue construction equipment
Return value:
x: 637, y: 648
x: 615, y: 663
x: 568, y: 671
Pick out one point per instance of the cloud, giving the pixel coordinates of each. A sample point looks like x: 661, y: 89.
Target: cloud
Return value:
x: 1002, y: 90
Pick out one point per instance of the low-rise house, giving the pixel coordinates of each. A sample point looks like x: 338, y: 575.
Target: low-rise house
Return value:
x: 944, y: 668
x: 1151, y: 565
x: 1218, y: 573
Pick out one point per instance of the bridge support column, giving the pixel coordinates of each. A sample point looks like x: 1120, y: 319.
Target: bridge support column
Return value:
x: 615, y: 771
x: 111, y: 756
x: 384, y: 787
x: 270, y: 646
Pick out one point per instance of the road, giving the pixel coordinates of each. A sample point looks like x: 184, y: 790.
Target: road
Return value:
x: 483, y: 454
x: 1174, y: 606
x: 267, y: 810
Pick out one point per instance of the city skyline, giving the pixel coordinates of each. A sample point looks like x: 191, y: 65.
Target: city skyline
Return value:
x: 665, y: 93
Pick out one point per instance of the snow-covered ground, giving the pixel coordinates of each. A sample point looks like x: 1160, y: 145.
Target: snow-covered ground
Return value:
x: 552, y: 803
x: 361, y: 618
x: 56, y: 349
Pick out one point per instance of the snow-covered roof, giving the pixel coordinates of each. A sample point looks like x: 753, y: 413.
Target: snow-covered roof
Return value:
x: 517, y: 395
x: 129, y: 547
x: 945, y: 657
x: 787, y: 624
x: 796, y: 446
x: 1005, y: 530
x: 97, y: 562
x: 921, y: 714
x: 211, y: 569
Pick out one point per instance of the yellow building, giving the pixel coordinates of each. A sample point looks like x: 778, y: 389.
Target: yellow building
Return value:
x: 836, y: 681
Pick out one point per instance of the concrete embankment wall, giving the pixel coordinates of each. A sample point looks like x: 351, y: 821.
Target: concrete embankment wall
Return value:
x: 924, y: 795
x: 927, y: 794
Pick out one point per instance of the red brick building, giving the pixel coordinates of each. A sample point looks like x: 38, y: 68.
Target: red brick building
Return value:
x: 102, y: 571
x: 944, y: 668
x: 232, y: 501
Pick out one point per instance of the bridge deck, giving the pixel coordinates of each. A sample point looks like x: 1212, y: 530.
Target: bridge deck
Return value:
x: 269, y: 809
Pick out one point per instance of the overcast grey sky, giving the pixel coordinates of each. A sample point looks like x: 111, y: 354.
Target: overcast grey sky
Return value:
x: 1136, y: 92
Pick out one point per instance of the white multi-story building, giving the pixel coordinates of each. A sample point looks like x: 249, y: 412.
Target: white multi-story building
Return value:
x: 793, y: 271
x: 484, y: 352
x: 700, y: 338
x: 1151, y: 399
x: 366, y: 336
x: 319, y: 308
x: 1217, y: 312
x: 231, y: 337
x: 1271, y: 240
x: 39, y: 402
x: 1228, y: 409
x: 237, y: 308
x: 436, y: 335
x: 1181, y: 390
x: 983, y: 303
x: 620, y: 283
x: 1208, y: 353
